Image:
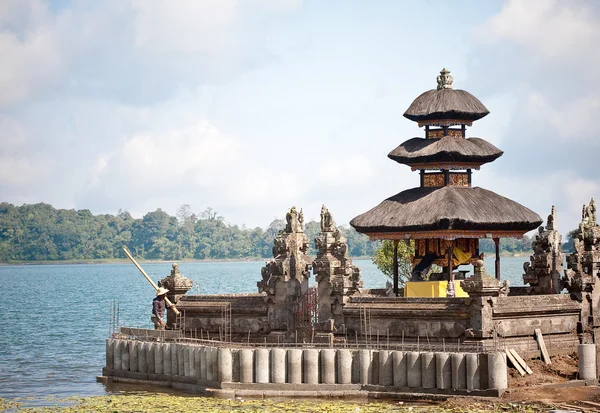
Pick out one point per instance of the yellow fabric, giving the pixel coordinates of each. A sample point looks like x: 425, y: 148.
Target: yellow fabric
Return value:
x: 461, y: 257
x: 431, y: 289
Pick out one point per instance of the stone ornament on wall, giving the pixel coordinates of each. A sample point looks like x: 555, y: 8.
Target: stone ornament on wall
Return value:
x: 545, y: 266
x: 335, y: 274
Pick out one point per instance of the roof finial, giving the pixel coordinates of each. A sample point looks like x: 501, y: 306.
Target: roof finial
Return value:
x: 444, y: 79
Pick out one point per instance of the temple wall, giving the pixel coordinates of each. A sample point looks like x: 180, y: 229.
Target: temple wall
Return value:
x: 205, y: 313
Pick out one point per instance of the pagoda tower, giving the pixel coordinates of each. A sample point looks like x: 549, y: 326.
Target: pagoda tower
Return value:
x: 445, y: 215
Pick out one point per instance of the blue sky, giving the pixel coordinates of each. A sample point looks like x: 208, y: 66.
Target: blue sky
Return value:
x: 252, y: 106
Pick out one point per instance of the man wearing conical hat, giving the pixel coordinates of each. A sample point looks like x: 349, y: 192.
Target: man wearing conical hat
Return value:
x: 158, y: 308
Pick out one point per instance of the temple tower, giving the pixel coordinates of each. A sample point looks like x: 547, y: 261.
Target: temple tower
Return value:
x: 446, y: 215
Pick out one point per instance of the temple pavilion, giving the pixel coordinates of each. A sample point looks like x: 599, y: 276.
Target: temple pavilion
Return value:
x: 445, y: 215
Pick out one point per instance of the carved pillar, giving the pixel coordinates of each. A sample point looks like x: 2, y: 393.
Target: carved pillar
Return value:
x: 483, y: 291
x: 497, y: 267
x: 177, y: 285
x: 337, y: 277
x: 285, y: 277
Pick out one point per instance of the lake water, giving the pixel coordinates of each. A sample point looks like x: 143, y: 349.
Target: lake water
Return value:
x: 56, y: 318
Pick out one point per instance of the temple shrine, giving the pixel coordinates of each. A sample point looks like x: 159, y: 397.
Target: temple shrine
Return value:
x: 445, y: 216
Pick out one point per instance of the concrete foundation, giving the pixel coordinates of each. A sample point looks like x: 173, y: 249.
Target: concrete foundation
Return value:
x: 310, y: 366
x: 443, y: 371
x: 261, y: 365
x: 278, y: 365
x: 428, y: 379
x: 299, y: 369
x: 472, y: 374
x: 413, y: 369
x: 587, y: 361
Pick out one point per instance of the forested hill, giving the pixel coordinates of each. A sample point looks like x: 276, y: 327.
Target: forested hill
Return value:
x: 41, y: 232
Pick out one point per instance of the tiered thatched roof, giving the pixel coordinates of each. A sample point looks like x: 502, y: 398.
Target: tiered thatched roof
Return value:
x: 446, y: 104
x: 447, y: 208
x: 446, y: 149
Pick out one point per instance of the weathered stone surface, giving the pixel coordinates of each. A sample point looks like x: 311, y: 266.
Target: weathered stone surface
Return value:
x: 544, y: 269
x: 285, y: 277
x: 177, y: 285
x: 338, y: 278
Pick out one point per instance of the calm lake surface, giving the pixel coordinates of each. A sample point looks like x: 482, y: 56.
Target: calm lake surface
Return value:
x: 56, y: 318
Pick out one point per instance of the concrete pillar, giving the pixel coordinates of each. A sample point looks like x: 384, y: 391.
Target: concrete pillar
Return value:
x: 443, y: 371
x: 587, y: 361
x: 459, y: 371
x: 158, y: 358
x: 110, y: 353
x: 246, y: 365
x: 203, y: 363
x: 497, y: 371
x: 174, y: 363
x: 386, y: 368
x: 399, y: 368
x: 355, y: 366
x: 344, y: 366
x: 310, y: 365
x: 192, y: 365
x: 294, y: 366
x: 124, y: 355
x: 225, y: 365
x: 117, y: 355
x: 413, y: 369
x: 277, y: 367
x: 150, y: 357
x: 167, y: 363
x: 328, y: 366
x: 133, y: 355
x: 197, y: 361
x: 186, y: 360
x: 428, y: 379
x: 142, y: 363
x: 180, y: 360
x: 261, y: 367
x: 472, y: 375
x: 212, y: 356
x: 366, y: 366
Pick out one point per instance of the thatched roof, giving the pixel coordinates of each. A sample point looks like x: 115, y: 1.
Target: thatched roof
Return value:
x: 446, y: 104
x: 447, y: 208
x: 446, y: 149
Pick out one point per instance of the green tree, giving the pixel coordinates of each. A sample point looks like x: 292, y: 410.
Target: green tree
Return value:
x: 383, y: 258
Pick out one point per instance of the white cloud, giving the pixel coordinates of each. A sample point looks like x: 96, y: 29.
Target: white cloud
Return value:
x: 12, y: 134
x: 18, y: 171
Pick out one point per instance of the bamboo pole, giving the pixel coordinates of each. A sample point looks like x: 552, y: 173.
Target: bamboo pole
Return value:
x: 126, y: 251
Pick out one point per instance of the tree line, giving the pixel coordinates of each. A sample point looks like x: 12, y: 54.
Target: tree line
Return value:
x: 40, y: 232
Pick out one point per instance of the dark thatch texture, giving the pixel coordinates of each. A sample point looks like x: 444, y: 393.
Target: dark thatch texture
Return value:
x: 446, y: 104
x: 447, y: 208
x: 446, y: 149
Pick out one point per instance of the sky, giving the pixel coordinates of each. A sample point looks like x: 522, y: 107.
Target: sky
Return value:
x: 252, y: 106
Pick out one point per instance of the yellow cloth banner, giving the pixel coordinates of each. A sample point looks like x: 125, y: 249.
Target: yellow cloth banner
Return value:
x: 431, y: 289
x: 461, y: 257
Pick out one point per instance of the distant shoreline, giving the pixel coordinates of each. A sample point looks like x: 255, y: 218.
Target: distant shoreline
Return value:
x: 216, y: 260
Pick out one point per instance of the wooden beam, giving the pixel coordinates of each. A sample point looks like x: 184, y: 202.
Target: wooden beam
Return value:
x: 396, y: 267
x: 497, y: 266
x: 520, y: 361
x: 514, y: 362
x: 540, y: 340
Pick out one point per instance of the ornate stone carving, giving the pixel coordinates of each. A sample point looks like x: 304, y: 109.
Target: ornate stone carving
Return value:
x: 338, y: 278
x: 444, y: 79
x: 545, y: 266
x: 285, y: 277
x: 177, y: 285
x: 481, y: 284
x: 583, y: 265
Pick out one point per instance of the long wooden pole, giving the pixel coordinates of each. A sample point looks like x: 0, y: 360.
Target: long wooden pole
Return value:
x: 126, y: 251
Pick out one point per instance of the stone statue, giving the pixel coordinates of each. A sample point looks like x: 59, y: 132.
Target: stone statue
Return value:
x: 444, y: 80
x: 300, y: 227
x: 335, y: 274
x: 544, y: 269
x: 327, y: 223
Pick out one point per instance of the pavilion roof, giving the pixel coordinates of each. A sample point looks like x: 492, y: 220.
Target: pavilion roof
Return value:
x: 443, y: 104
x: 447, y: 149
x: 447, y: 209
